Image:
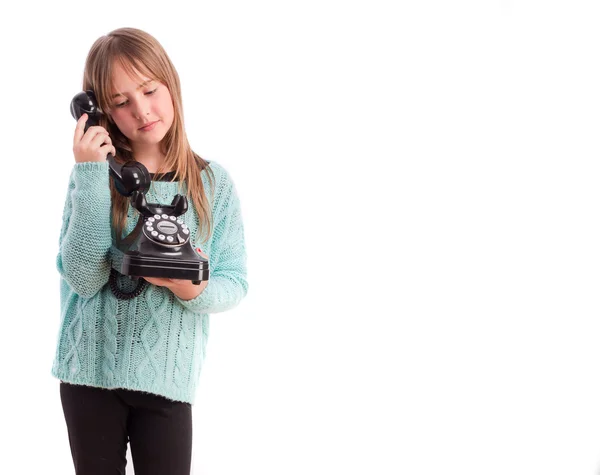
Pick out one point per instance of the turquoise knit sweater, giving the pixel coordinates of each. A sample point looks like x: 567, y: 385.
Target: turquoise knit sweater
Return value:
x: 155, y: 342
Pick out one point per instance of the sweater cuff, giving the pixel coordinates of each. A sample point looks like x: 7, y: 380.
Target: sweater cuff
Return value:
x: 90, y: 173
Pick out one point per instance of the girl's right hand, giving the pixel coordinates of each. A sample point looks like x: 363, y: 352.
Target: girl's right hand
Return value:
x: 94, y: 145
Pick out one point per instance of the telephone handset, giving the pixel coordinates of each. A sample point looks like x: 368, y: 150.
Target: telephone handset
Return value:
x: 129, y: 177
x: 159, y: 245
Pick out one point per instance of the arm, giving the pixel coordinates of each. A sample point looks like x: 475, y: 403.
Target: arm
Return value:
x: 227, y: 284
x: 85, y: 236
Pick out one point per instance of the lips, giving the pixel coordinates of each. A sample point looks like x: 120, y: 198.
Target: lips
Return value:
x: 149, y: 124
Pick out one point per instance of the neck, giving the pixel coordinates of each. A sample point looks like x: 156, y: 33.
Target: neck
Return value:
x: 149, y: 156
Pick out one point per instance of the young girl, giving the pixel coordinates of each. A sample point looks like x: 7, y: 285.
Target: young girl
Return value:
x: 129, y: 368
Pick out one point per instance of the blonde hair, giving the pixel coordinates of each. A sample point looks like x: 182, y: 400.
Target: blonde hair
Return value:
x: 134, y: 48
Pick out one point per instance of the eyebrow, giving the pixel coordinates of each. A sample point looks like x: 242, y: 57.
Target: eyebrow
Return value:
x: 140, y: 86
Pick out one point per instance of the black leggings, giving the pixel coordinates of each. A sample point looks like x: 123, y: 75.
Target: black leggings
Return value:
x: 100, y: 422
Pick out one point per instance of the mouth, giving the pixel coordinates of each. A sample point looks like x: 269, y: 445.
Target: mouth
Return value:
x: 149, y: 126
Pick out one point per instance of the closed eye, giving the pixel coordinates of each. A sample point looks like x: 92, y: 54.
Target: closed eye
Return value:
x: 149, y: 93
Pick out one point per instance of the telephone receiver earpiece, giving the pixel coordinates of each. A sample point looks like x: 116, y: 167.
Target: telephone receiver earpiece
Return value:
x: 131, y: 176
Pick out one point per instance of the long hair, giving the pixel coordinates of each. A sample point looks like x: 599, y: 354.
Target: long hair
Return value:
x: 134, y: 48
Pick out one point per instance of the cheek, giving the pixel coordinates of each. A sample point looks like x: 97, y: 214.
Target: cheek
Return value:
x: 168, y: 108
x: 119, y: 119
x: 116, y: 116
x: 166, y: 104
x: 121, y: 123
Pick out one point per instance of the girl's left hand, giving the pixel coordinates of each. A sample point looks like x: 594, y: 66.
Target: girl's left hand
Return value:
x: 184, y: 289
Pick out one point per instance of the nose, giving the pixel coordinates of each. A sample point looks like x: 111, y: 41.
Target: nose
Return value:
x: 140, y: 110
x: 139, y: 115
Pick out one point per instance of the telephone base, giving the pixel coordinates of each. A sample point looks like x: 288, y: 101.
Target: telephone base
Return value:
x: 136, y: 264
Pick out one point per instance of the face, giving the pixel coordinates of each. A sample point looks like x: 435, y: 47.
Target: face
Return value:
x: 137, y: 106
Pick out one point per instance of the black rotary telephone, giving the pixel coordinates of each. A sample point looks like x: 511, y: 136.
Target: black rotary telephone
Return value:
x: 159, y: 245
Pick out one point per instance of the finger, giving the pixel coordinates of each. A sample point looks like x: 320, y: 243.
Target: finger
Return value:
x: 79, y: 129
x: 94, y: 133
x: 94, y: 137
x: 109, y: 148
x: 101, y: 139
x: 151, y: 280
x: 156, y: 281
x: 201, y: 253
x: 106, y: 149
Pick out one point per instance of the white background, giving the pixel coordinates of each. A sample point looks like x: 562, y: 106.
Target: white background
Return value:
x: 419, y: 185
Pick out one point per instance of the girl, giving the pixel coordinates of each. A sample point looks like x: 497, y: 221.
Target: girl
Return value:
x: 129, y: 368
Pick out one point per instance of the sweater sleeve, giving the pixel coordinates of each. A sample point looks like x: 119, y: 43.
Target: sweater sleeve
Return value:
x: 227, y: 283
x: 85, y: 236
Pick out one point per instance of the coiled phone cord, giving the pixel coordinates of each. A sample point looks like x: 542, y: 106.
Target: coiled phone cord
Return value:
x: 121, y: 295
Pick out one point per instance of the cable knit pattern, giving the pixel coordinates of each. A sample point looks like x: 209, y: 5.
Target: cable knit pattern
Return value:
x: 109, y: 361
x: 155, y: 342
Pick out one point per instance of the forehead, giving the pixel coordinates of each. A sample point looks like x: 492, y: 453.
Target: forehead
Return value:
x: 127, y: 80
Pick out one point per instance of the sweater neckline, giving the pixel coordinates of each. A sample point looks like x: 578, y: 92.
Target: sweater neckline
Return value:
x: 166, y: 177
